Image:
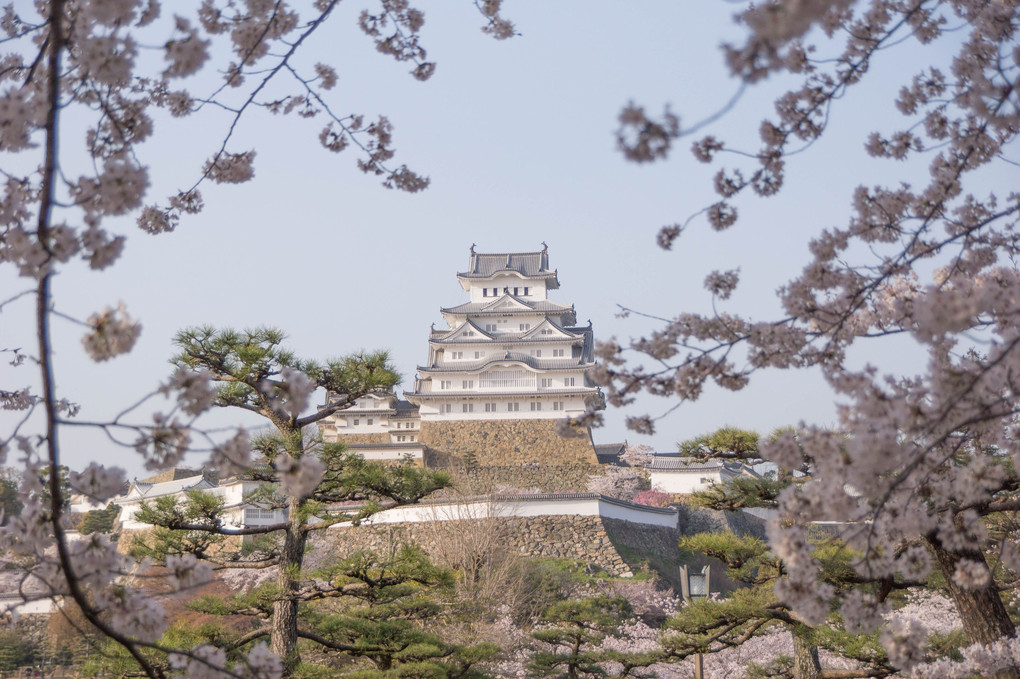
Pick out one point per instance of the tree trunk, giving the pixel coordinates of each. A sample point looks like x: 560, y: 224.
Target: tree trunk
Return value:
x: 283, y: 637
x: 982, y: 612
x: 805, y: 655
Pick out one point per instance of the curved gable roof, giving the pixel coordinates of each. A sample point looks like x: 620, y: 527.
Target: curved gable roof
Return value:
x: 525, y: 264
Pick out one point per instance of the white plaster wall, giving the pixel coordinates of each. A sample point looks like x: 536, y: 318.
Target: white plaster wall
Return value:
x: 127, y: 515
x: 16, y: 603
x: 572, y: 405
x: 684, y: 482
x: 345, y: 423
x: 523, y: 509
x: 390, y: 454
x: 536, y: 288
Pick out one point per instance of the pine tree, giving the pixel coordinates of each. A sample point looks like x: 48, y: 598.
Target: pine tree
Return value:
x: 708, y: 625
x: 574, y: 630
x: 308, y: 478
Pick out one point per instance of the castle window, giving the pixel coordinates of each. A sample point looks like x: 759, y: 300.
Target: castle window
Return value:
x: 357, y: 421
x: 490, y: 407
x: 557, y: 405
x: 513, y: 407
x: 369, y: 421
x: 557, y: 352
x: 525, y: 326
x: 467, y: 384
x: 538, y: 353
x: 258, y: 514
x: 413, y: 438
x: 485, y: 292
x: 478, y: 354
x: 547, y: 381
x: 456, y: 355
x: 568, y: 381
x: 449, y: 407
x: 536, y: 405
x: 490, y: 327
x: 525, y: 292
x: 467, y: 407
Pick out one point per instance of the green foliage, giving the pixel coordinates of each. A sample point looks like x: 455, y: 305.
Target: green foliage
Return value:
x: 741, y: 492
x: 707, y: 626
x: 100, y: 520
x: 728, y: 442
x: 747, y: 558
x: 379, y: 615
x: 62, y: 480
x: 379, y: 606
x: 170, y: 515
x: 113, y: 660
x: 10, y: 503
x: 574, y: 629
x: 15, y: 650
x: 247, y: 361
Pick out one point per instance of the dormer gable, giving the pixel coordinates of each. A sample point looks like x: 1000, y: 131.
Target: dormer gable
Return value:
x: 467, y: 332
x: 375, y: 401
x: 549, y: 330
x: 507, y: 303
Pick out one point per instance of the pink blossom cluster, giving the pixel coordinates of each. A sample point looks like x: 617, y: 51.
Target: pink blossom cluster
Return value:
x: 914, y: 463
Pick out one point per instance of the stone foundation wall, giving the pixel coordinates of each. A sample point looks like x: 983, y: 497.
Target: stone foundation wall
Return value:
x: 697, y: 520
x: 503, y: 479
x: 578, y: 538
x: 504, y: 443
x: 382, y: 437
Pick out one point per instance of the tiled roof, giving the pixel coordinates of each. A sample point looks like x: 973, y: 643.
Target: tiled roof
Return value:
x: 169, y: 487
x: 528, y: 264
x: 609, y: 451
x: 514, y: 356
x: 483, y: 308
x: 573, y: 334
x: 172, y: 474
x: 682, y: 464
x: 450, y: 393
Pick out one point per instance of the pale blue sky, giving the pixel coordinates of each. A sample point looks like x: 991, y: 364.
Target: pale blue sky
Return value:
x: 518, y: 140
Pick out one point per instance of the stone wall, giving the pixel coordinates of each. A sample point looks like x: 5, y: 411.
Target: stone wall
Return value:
x: 508, y: 478
x: 697, y: 520
x: 504, y: 443
x: 382, y: 437
x: 577, y: 538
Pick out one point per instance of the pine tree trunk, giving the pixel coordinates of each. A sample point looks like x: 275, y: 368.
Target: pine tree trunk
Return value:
x: 805, y: 655
x: 283, y: 637
x: 982, y: 612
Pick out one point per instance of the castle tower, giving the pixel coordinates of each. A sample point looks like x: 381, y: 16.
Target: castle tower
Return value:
x: 511, y: 364
x: 510, y: 352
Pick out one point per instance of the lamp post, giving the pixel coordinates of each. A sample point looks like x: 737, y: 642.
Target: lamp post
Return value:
x: 695, y: 586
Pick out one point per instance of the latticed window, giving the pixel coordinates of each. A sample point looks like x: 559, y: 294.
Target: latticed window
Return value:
x: 507, y: 379
x: 252, y: 514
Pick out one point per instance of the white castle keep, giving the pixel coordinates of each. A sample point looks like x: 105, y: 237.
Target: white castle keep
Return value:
x: 509, y: 354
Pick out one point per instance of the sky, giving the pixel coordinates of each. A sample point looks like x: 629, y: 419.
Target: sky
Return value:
x: 518, y: 140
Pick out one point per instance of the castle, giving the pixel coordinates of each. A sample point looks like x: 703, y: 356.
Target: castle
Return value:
x: 511, y: 365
